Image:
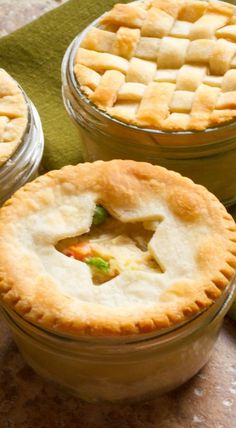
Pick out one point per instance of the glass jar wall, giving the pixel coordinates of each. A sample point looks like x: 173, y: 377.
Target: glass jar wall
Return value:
x: 126, y: 368
x: 24, y: 163
x: 207, y: 157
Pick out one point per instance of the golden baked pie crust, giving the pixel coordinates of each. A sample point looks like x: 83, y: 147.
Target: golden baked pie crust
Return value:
x: 13, y: 116
x: 162, y: 64
x: 196, y: 241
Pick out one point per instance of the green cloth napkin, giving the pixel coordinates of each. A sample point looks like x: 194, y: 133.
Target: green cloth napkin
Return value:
x: 33, y: 56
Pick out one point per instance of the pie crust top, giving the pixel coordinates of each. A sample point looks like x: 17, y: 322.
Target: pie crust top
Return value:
x: 162, y: 64
x: 189, y: 235
x: 13, y: 116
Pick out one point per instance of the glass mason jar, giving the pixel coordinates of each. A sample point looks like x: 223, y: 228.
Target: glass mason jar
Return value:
x: 125, y: 368
x: 24, y: 163
x: 207, y: 157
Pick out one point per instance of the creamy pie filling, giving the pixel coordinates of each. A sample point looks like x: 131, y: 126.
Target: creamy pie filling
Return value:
x: 112, y: 247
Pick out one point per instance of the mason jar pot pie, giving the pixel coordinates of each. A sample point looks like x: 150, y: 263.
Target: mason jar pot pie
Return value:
x: 155, y: 80
x: 21, y: 137
x: 115, y: 277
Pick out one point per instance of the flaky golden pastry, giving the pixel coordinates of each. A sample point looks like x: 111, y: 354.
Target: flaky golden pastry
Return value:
x: 193, y: 243
x: 13, y: 116
x: 162, y: 64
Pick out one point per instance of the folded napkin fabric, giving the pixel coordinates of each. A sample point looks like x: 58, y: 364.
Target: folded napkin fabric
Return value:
x: 33, y: 56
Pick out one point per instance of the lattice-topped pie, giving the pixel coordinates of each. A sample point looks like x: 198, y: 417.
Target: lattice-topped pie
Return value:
x: 113, y: 248
x: 164, y: 64
x: 13, y: 116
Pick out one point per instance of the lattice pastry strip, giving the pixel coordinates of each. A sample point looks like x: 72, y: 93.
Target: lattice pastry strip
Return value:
x: 11, y: 129
x: 227, y: 100
x: 176, y: 121
x: 125, y: 111
x: 126, y: 42
x: 127, y: 15
x: 87, y: 77
x: 123, y: 43
x: 154, y: 106
x: 200, y: 51
x: 213, y: 80
x: 233, y: 62
x: 228, y: 32
x: 11, y: 105
x: 170, y: 103
x: 172, y: 52
x: 157, y: 24
x: 99, y: 40
x: 221, y: 57
x: 7, y: 85
x: 166, y: 76
x: 174, y: 109
x: 215, y: 17
x: 171, y: 7
x: 182, y: 101
x: 169, y: 52
x: 181, y: 29
x: 233, y: 20
x: 229, y: 81
x: 148, y: 48
x: 171, y: 58
x: 101, y: 61
x: 13, y: 116
x: 190, y: 77
x: 4, y: 120
x: 204, y: 103
x: 191, y: 13
x: 141, y: 71
x: 106, y: 93
x: 131, y: 92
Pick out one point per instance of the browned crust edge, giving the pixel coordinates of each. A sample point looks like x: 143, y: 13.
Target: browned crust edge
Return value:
x: 51, y: 311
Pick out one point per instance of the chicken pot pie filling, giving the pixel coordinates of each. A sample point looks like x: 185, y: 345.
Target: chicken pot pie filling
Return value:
x: 163, y: 64
x: 114, y: 248
x: 13, y: 116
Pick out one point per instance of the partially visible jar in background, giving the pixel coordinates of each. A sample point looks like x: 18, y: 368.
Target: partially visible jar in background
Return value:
x: 186, y: 64
x: 21, y: 137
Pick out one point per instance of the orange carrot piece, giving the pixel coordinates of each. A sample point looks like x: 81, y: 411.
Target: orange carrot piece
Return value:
x: 79, y: 251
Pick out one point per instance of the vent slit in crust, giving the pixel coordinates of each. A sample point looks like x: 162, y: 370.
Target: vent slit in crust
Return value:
x: 111, y: 247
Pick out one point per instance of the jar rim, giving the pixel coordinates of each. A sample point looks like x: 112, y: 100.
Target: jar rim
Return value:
x: 181, y: 330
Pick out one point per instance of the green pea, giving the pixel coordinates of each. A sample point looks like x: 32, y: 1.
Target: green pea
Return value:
x: 98, y: 263
x: 100, y: 215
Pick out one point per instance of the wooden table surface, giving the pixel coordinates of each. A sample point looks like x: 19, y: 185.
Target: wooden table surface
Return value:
x: 28, y: 401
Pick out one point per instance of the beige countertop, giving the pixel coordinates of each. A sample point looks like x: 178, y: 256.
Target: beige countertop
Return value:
x: 20, y: 12
x: 28, y: 401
